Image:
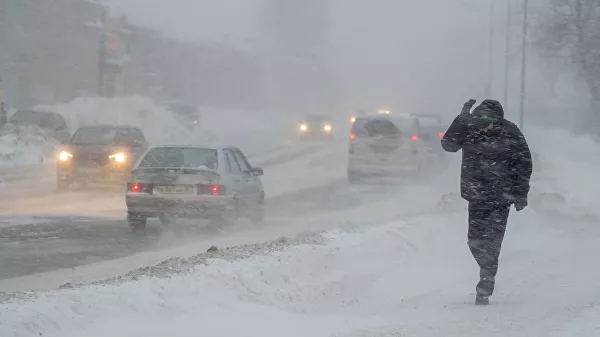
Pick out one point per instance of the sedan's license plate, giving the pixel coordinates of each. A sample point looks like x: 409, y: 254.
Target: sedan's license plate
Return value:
x: 176, y: 189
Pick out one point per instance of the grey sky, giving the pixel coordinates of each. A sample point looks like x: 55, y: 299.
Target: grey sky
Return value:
x: 401, y: 53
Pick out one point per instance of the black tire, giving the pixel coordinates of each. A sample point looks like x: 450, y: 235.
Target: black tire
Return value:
x: 62, y: 184
x: 257, y: 214
x: 136, y: 222
x: 227, y: 217
x: 167, y: 219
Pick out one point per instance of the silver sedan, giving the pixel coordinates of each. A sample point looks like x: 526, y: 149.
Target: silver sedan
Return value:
x: 170, y: 182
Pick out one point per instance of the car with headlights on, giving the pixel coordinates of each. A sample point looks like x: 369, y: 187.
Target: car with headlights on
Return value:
x: 215, y: 183
x: 99, y: 154
x: 316, y: 127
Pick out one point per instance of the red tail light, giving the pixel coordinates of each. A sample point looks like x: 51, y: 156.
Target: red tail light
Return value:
x: 211, y: 190
x: 415, y: 137
x: 352, y: 136
x: 441, y: 134
x: 139, y: 188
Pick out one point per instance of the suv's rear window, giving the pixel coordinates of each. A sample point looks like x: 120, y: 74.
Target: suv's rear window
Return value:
x: 373, y: 127
x: 429, y: 123
x: 429, y: 129
x: 186, y: 157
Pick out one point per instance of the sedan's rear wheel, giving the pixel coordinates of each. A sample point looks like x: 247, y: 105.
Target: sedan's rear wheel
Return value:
x: 136, y: 221
x: 257, y: 214
x: 228, y: 215
x: 167, y: 219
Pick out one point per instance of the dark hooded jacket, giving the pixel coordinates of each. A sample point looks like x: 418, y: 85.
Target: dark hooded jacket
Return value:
x: 496, y: 165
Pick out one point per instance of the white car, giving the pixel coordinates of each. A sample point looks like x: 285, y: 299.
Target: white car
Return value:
x: 387, y: 146
x: 217, y: 183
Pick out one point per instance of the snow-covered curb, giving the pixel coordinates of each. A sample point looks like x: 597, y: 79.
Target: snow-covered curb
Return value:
x: 414, y: 275
x: 268, y: 274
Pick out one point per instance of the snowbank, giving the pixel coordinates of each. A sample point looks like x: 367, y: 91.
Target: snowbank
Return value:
x: 413, y: 277
x: 25, y: 146
x: 253, y: 132
x: 159, y: 125
x: 565, y: 179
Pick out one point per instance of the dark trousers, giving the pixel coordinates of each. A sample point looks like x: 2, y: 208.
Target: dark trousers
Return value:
x: 487, y: 224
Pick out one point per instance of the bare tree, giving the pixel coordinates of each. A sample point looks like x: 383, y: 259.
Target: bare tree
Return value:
x: 571, y: 29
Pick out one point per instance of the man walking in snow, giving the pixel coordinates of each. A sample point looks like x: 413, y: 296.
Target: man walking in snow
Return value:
x: 496, y: 168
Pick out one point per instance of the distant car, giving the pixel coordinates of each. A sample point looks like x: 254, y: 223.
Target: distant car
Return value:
x: 431, y: 131
x: 99, y: 154
x: 186, y: 113
x: 387, y: 146
x: 366, y: 112
x: 316, y: 127
x: 171, y: 182
x: 53, y: 124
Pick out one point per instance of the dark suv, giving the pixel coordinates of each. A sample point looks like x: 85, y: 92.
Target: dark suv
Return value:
x: 99, y: 154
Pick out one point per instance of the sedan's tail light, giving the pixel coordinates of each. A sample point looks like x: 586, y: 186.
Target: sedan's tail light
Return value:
x: 414, y: 137
x: 352, y: 136
x: 441, y: 134
x: 211, y: 190
x: 139, y: 188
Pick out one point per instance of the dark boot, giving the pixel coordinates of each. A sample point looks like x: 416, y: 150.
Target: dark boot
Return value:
x: 486, y: 284
x: 482, y: 300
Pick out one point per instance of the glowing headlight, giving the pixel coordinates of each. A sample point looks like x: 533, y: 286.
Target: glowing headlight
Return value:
x: 303, y: 127
x: 327, y: 128
x: 196, y: 121
x: 64, y: 156
x: 383, y: 112
x: 119, y: 157
x: 353, y: 119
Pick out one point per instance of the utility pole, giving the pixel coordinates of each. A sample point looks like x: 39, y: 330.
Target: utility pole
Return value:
x: 507, y: 53
x: 523, y: 65
x: 488, y: 87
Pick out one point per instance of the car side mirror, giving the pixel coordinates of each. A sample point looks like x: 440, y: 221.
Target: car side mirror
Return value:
x: 256, y: 171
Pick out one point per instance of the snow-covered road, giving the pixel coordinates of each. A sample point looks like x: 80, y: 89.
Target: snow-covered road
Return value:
x: 406, y: 277
x: 367, y: 260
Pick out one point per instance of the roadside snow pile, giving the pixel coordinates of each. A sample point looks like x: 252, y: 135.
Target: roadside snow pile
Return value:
x: 413, y: 278
x: 252, y: 132
x: 158, y: 125
x: 565, y: 180
x: 25, y: 146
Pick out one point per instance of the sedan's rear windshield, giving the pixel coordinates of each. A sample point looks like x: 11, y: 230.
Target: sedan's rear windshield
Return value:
x: 95, y: 135
x: 180, y: 157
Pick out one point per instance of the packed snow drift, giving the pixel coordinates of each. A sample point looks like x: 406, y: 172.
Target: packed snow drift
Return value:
x: 21, y: 146
x: 410, y: 277
x: 25, y: 145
